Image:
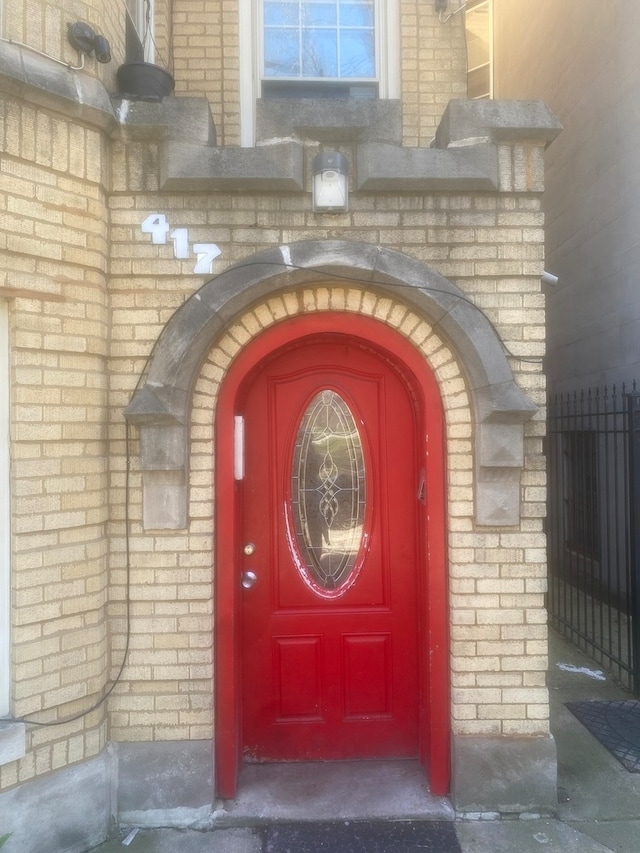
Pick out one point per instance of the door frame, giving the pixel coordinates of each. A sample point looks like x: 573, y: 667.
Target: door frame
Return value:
x: 433, y: 662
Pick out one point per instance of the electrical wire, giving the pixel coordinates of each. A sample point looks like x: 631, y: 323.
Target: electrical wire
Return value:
x: 149, y: 35
x: 125, y: 655
x: 388, y: 284
x: 46, y: 55
x: 243, y: 265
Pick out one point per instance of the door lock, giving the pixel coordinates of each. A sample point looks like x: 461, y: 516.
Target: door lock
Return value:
x: 248, y: 579
x: 249, y: 549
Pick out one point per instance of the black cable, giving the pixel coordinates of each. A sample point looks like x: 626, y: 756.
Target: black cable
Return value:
x: 392, y: 284
x: 110, y: 690
x: 243, y: 265
x: 148, y: 32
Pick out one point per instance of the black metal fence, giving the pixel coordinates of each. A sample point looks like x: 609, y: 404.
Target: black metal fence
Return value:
x: 593, y: 525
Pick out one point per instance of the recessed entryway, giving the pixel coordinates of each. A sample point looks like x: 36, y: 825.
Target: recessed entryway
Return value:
x: 331, y: 643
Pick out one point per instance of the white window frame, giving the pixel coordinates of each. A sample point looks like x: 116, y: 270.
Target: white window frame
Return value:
x: 138, y: 19
x: 5, y: 516
x: 489, y: 5
x: 250, y: 38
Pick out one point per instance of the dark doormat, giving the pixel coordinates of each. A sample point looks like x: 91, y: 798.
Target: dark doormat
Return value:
x: 616, y: 725
x: 392, y: 836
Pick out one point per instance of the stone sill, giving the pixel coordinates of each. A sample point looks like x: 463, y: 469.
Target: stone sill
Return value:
x: 12, y: 741
x: 463, y: 157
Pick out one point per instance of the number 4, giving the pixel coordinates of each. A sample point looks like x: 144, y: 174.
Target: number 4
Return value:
x: 156, y: 224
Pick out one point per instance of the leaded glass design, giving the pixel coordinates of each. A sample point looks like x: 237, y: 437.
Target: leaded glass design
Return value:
x: 319, y: 39
x: 328, y: 493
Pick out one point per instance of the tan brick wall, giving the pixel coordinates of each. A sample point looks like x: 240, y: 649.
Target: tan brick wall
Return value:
x: 432, y: 64
x: 491, y: 246
x: 433, y: 68
x: 204, y: 53
x: 53, y: 272
x: 89, y: 294
x: 207, y: 61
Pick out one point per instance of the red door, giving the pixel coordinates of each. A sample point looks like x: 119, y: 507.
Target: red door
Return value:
x: 329, y: 537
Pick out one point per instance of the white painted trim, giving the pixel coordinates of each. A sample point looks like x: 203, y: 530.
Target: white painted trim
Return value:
x: 145, y: 34
x: 250, y: 46
x: 5, y: 515
x: 491, y: 48
x: 248, y: 65
x: 390, y: 49
x: 150, y: 44
x: 238, y: 447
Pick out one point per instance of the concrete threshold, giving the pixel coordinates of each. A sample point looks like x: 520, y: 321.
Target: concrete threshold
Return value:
x: 343, y: 790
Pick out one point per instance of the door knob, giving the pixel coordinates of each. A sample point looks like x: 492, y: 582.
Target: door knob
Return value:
x: 248, y: 579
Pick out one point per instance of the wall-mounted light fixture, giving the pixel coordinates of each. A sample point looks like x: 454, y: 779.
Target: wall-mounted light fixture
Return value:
x: 441, y: 5
x: 85, y: 41
x: 330, y: 182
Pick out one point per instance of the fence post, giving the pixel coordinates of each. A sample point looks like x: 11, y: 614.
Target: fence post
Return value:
x: 633, y: 409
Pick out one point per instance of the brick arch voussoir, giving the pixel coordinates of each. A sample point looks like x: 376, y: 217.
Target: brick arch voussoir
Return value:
x: 161, y: 406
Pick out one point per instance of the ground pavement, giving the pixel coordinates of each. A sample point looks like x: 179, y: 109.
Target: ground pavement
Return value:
x: 598, y: 807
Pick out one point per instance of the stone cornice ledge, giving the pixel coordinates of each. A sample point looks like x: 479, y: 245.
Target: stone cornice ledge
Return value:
x: 389, y: 167
x: 269, y: 167
x: 466, y: 122
x: 46, y: 83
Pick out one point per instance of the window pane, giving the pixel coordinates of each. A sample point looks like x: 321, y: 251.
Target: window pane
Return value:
x: 327, y: 40
x: 320, y: 55
x: 319, y: 14
x: 327, y: 495
x: 276, y: 14
x: 356, y: 14
x: 281, y: 53
x: 478, y: 34
x: 357, y: 54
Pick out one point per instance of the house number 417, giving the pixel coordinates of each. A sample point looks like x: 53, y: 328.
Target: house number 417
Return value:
x: 158, y: 226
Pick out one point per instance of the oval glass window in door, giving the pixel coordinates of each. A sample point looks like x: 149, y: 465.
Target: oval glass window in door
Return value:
x: 328, y: 491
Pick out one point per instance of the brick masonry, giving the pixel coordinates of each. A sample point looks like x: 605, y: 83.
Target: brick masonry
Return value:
x: 89, y: 294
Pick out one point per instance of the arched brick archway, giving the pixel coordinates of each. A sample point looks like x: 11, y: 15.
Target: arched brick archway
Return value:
x: 160, y: 408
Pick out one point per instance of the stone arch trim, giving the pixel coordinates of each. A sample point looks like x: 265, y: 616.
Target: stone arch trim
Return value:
x: 161, y: 406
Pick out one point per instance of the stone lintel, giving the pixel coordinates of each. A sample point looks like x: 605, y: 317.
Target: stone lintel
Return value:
x: 46, y: 83
x: 507, y: 774
x: 330, y: 120
x: 183, y: 118
x: 496, y: 121
x: 390, y: 167
x: 185, y: 167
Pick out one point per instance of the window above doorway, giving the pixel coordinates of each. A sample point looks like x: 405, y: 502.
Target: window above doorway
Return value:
x: 319, y: 48
x: 310, y: 49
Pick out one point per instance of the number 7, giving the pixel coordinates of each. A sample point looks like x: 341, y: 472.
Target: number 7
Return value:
x: 207, y: 253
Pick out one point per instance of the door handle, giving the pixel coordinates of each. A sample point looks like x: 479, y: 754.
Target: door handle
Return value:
x: 248, y: 579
